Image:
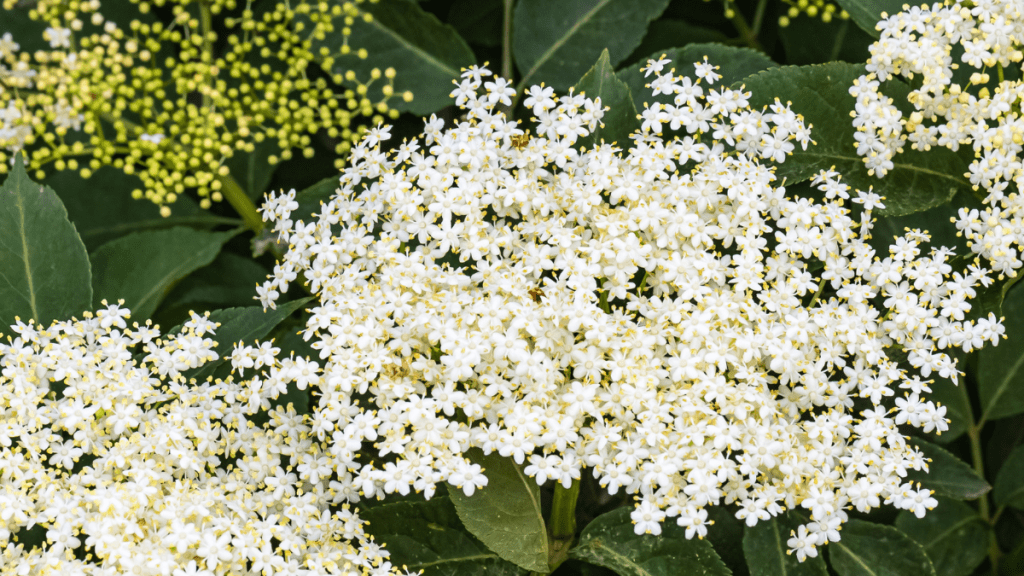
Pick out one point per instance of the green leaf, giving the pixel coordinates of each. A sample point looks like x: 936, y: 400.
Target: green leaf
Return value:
x: 556, y: 45
x: 947, y: 474
x: 766, y: 549
x: 101, y: 207
x: 610, y: 541
x: 666, y: 34
x: 478, y: 21
x: 309, y: 200
x: 428, y: 536
x: 918, y: 180
x: 1001, y: 368
x: 869, y: 549
x: 734, y: 63
x: 953, y: 535
x: 426, y: 54
x: 252, y: 170
x: 810, y: 41
x: 142, y: 267
x: 227, y: 282
x: 621, y: 120
x: 1009, y: 489
x: 506, y: 515
x: 44, y: 268
x: 244, y: 325
x: 727, y: 538
x: 867, y: 13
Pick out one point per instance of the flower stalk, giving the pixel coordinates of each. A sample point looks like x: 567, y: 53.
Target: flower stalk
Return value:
x: 562, y: 523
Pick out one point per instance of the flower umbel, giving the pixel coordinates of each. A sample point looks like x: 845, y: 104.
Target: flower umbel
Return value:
x: 664, y: 317
x: 173, y: 102
x: 131, y: 469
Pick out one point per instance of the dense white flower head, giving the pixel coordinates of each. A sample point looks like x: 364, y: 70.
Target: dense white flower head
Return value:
x: 657, y: 313
x: 129, y: 469
x: 963, y: 56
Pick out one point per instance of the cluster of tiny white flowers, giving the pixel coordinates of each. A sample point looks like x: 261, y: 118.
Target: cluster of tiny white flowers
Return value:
x: 666, y: 317
x: 919, y: 43
x: 132, y: 470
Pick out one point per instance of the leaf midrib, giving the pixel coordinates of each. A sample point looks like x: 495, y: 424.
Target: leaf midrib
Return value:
x: 896, y: 165
x: 453, y: 560
x: 624, y: 560
x: 1001, y: 389
x: 19, y: 203
x: 951, y: 529
x: 855, y: 557
x: 778, y: 540
x: 559, y: 43
x: 415, y: 49
x: 533, y: 501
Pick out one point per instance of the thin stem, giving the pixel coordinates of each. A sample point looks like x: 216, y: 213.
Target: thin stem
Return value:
x: 821, y: 286
x: 978, y: 460
x: 741, y: 26
x: 604, y: 296
x: 506, y: 41
x: 759, y: 16
x: 241, y: 202
x: 643, y: 283
x: 840, y: 36
x: 206, y: 25
x: 562, y: 524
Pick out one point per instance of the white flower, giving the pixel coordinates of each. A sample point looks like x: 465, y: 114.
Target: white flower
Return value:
x: 58, y: 37
x: 647, y: 519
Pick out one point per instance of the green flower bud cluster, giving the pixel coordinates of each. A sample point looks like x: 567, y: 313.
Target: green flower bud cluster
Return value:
x: 826, y: 11
x: 179, y: 90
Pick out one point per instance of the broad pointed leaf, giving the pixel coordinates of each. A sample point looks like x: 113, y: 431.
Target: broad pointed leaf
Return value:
x: 101, y: 207
x: 953, y: 535
x: 44, y: 268
x: 766, y: 549
x: 556, y: 44
x: 506, y: 514
x: 478, y: 21
x: 666, y: 34
x: 610, y: 541
x: 811, y: 41
x: 820, y: 93
x: 141, y: 268
x: 1009, y: 489
x: 621, y: 120
x: 869, y: 549
x: 428, y: 536
x: 1001, y: 367
x: 426, y: 54
x: 947, y: 474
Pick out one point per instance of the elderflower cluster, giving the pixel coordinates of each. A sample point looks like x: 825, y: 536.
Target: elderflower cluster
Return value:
x: 955, y: 52
x: 121, y: 466
x: 665, y: 317
x: 173, y: 102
